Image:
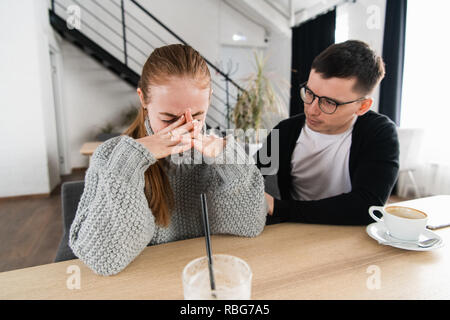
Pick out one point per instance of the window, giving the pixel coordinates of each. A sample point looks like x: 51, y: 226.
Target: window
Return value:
x: 425, y: 100
x: 341, y: 33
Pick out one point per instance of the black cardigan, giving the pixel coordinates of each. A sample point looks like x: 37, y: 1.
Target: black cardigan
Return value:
x: 373, y: 166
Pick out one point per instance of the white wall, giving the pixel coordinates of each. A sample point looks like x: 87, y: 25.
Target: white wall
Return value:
x: 363, y: 20
x: 195, y: 21
x: 233, y: 22
x: 90, y: 97
x: 28, y: 148
x: 93, y: 97
x: 274, y: 45
x: 279, y: 53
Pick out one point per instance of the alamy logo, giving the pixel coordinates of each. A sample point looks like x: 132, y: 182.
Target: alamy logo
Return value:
x: 73, y: 20
x: 374, y: 20
x: 74, y: 280
x: 269, y: 162
x: 374, y: 280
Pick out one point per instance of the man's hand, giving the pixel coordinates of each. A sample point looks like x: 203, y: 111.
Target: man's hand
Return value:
x: 270, y: 203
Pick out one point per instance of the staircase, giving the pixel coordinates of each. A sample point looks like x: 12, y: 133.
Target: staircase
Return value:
x: 121, y: 34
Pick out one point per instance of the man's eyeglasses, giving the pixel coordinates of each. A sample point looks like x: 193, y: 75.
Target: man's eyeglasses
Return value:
x: 327, y: 105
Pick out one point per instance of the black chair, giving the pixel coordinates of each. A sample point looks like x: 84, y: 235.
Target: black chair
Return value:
x: 70, y: 197
x: 271, y: 186
x: 106, y: 136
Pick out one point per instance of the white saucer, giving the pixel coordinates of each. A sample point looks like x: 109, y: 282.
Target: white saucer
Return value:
x: 379, y: 232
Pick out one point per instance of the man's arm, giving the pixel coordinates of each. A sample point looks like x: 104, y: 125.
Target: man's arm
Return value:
x: 372, y: 181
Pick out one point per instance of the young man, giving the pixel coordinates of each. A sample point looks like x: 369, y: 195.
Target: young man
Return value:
x: 338, y: 158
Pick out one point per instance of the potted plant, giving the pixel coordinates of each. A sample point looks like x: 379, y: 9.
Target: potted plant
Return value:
x: 110, y: 130
x: 258, y: 107
x: 106, y: 132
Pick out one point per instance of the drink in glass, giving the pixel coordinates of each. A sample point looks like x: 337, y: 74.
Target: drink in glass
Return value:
x: 232, y: 275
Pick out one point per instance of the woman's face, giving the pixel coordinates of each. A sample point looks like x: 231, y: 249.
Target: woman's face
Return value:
x: 170, y: 101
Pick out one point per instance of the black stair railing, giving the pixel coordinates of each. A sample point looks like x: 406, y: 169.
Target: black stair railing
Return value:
x: 126, y: 53
x: 124, y: 32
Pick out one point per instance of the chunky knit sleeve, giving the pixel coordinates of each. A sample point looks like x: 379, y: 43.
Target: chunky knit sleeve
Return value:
x: 236, y: 202
x: 113, y: 222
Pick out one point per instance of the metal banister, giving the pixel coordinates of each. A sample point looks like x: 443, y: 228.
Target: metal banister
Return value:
x: 184, y: 42
x: 124, y: 32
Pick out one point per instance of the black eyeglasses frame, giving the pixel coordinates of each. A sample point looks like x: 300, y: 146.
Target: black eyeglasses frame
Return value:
x: 338, y: 104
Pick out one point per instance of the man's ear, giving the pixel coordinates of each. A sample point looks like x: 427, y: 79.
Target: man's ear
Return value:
x: 365, y: 106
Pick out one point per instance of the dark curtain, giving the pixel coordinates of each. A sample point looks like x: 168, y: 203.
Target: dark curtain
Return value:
x: 393, y: 55
x: 308, y: 40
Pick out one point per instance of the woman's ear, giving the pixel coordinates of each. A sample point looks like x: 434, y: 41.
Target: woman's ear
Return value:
x: 141, y: 97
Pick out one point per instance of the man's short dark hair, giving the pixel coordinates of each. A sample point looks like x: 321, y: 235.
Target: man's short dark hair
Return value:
x: 350, y: 59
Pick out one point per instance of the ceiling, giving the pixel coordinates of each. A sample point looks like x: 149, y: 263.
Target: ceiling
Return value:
x: 281, y: 15
x: 297, y: 5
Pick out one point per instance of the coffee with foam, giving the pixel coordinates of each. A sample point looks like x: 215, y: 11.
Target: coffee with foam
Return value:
x: 404, y: 212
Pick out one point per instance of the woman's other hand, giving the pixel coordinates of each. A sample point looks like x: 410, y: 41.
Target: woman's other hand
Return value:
x: 209, y: 145
x: 175, y: 138
x: 270, y: 203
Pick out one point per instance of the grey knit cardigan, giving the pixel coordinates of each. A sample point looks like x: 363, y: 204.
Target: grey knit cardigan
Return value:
x: 114, y: 223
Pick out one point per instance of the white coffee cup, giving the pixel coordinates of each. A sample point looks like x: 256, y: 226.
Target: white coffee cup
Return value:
x: 401, y: 222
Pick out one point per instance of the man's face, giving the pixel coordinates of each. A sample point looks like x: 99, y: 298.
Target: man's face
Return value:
x: 340, y: 90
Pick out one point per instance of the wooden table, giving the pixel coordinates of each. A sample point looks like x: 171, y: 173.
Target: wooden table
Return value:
x: 289, y: 261
x: 88, y: 148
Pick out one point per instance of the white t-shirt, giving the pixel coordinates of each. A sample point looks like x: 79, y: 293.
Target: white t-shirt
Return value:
x: 320, y: 165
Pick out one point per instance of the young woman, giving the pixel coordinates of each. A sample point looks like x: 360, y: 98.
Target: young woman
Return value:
x: 137, y: 195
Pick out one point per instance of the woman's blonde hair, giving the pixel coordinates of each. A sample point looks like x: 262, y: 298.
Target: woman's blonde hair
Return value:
x: 170, y: 61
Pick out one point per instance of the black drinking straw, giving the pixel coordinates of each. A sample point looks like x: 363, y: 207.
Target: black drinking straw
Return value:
x: 208, y: 243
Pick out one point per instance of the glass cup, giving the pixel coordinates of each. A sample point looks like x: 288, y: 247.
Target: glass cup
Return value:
x: 232, y: 275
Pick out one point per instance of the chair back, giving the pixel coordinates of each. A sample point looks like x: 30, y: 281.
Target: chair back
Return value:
x: 70, y: 197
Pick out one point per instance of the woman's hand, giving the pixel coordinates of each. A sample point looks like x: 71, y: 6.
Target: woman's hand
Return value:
x: 176, y: 138
x: 209, y: 145
x: 270, y: 203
